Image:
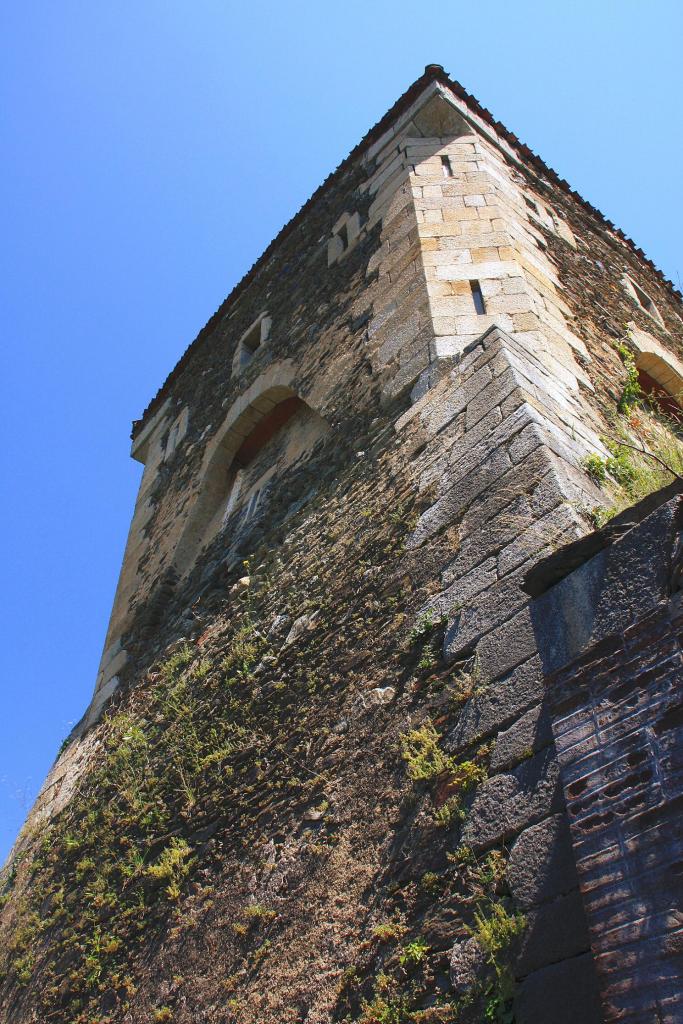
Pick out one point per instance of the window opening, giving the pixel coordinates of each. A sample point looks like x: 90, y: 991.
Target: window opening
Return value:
x: 251, y: 342
x: 478, y: 298
x: 446, y: 167
x: 172, y: 439
x: 656, y: 396
x: 249, y: 449
x: 644, y: 300
x: 345, y: 234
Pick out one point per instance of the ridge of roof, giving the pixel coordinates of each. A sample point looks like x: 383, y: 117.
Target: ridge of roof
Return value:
x: 432, y: 73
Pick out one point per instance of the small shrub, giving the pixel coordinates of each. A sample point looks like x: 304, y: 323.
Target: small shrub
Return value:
x: 463, y: 855
x: 23, y: 967
x: 492, y: 870
x: 83, y: 866
x: 496, y: 932
x: 600, y: 515
x: 174, y: 665
x: 449, y: 812
x: 261, y: 952
x: 431, y: 882
x: 425, y: 625
x: 385, y: 1011
x: 172, y: 866
x: 201, y: 669
x: 421, y: 752
x: 596, y: 467
x: 620, y: 466
x: 498, y: 1008
x: 445, y: 1013
x: 631, y: 392
x: 467, y: 774
x: 257, y: 912
x: 426, y: 761
x: 464, y: 687
x: 245, y: 650
x: 414, y: 953
x: 388, y: 931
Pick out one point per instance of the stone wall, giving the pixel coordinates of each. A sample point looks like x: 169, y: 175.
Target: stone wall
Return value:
x: 441, y: 456
x: 496, y: 448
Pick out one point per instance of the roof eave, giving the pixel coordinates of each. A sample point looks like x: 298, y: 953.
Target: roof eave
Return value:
x: 433, y: 73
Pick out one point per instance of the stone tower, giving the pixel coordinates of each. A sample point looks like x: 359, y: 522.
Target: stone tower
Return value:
x: 318, y: 779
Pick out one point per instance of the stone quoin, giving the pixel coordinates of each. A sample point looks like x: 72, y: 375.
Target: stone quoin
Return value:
x: 387, y: 726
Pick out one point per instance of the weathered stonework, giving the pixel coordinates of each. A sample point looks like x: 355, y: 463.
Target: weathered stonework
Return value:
x: 348, y: 479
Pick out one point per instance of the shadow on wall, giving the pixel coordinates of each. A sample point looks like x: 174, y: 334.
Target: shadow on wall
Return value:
x: 248, y: 456
x: 608, y: 634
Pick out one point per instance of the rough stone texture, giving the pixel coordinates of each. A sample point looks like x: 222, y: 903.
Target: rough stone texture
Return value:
x: 599, y: 599
x: 541, y: 865
x: 563, y: 993
x: 507, y: 803
x: 385, y: 457
x: 530, y: 733
x: 500, y: 703
x: 467, y: 966
x: 554, y: 932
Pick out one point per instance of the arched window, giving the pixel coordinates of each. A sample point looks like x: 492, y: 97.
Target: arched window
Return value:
x: 249, y: 457
x: 660, y: 373
x: 246, y: 486
x: 661, y: 385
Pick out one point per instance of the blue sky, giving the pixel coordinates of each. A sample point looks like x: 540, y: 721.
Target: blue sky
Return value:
x: 149, y: 151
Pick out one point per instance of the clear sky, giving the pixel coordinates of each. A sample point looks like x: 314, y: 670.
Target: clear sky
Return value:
x: 149, y: 151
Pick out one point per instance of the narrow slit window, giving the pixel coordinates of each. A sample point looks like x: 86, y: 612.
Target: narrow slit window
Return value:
x: 344, y: 235
x: 250, y: 343
x: 478, y: 298
x: 446, y: 167
x: 645, y: 300
x: 642, y: 298
x: 172, y: 439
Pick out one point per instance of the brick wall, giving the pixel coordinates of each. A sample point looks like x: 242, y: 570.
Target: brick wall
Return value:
x: 614, y: 670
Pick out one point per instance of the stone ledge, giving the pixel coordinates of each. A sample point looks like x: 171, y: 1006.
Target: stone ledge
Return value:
x: 561, y: 563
